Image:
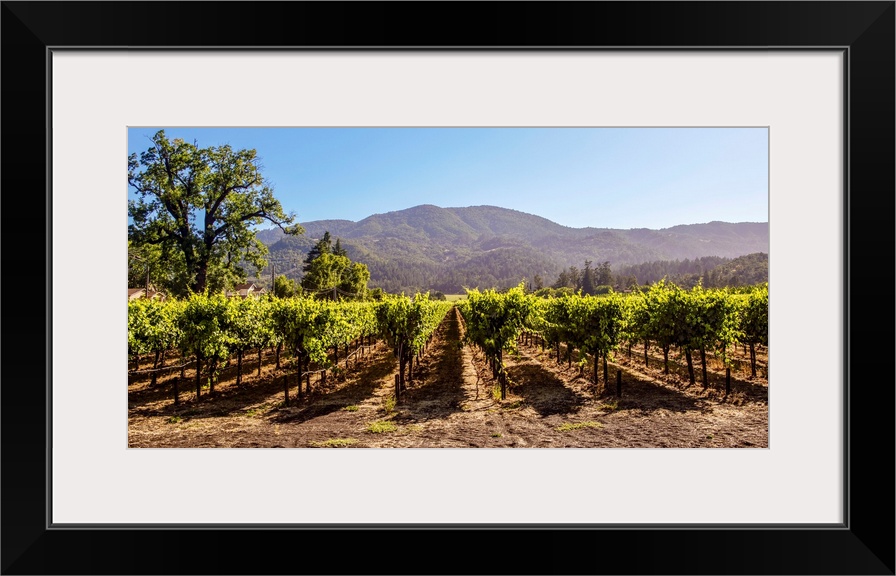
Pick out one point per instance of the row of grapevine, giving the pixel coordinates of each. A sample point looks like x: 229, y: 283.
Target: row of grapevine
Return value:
x: 700, y: 320
x: 494, y: 322
x: 695, y: 321
x: 212, y: 329
x: 408, y: 325
x: 307, y: 328
x: 593, y: 325
x: 153, y: 328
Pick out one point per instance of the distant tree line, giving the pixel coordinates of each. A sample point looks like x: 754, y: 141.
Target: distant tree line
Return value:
x: 501, y: 269
x: 709, y: 271
x: 715, y: 272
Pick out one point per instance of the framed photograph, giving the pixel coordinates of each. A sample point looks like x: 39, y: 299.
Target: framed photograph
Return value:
x: 818, y: 77
x: 411, y: 238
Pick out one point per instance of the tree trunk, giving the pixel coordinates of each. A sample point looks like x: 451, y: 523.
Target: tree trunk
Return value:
x: 568, y: 355
x: 259, y: 362
x: 211, y: 377
x: 606, y: 371
x: 687, y: 354
x: 595, y: 370
x: 665, y: 359
x: 646, y: 364
x: 239, y: 367
x: 299, y: 366
x: 155, y: 366
x: 703, y: 365
x: 502, y: 374
x: 201, y: 277
x: 401, y: 363
x: 752, y: 360
x: 198, y: 375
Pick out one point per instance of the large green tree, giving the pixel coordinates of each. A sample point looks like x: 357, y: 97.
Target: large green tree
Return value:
x: 587, y: 283
x: 336, y: 277
x: 202, y: 204
x: 285, y: 287
x: 323, y: 246
x: 331, y: 274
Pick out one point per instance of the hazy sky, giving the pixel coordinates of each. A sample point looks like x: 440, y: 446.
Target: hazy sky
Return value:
x: 602, y: 177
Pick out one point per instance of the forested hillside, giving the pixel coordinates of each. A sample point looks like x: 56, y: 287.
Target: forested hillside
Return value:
x: 432, y: 248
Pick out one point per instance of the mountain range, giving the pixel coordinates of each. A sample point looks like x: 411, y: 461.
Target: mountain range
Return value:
x: 431, y: 248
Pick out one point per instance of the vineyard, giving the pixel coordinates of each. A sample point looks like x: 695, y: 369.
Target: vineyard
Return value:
x: 664, y: 367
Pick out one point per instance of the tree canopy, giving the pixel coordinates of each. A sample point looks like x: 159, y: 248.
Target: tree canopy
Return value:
x: 200, y: 207
x: 323, y: 246
x: 285, y: 287
x: 330, y: 273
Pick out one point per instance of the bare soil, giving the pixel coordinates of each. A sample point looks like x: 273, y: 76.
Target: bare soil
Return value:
x: 453, y: 402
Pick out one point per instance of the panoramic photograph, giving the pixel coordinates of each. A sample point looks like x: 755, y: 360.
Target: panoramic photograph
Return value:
x: 447, y: 288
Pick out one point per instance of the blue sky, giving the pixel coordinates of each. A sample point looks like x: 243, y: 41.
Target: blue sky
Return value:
x: 602, y: 177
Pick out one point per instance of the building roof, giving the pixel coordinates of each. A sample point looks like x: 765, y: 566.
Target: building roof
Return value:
x: 244, y: 290
x: 135, y: 293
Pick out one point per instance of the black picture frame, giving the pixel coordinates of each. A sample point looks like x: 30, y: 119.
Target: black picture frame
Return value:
x: 864, y: 544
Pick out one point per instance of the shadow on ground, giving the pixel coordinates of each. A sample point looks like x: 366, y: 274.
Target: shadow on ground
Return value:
x: 438, y: 389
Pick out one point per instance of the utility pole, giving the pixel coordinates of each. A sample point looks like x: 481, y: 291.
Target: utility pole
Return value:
x: 271, y: 261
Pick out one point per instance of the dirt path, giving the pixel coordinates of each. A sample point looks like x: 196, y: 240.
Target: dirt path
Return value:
x: 654, y: 410
x: 436, y: 410
x: 254, y: 415
x: 453, y: 403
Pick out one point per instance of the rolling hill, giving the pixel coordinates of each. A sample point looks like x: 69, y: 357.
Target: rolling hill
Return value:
x: 431, y: 248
